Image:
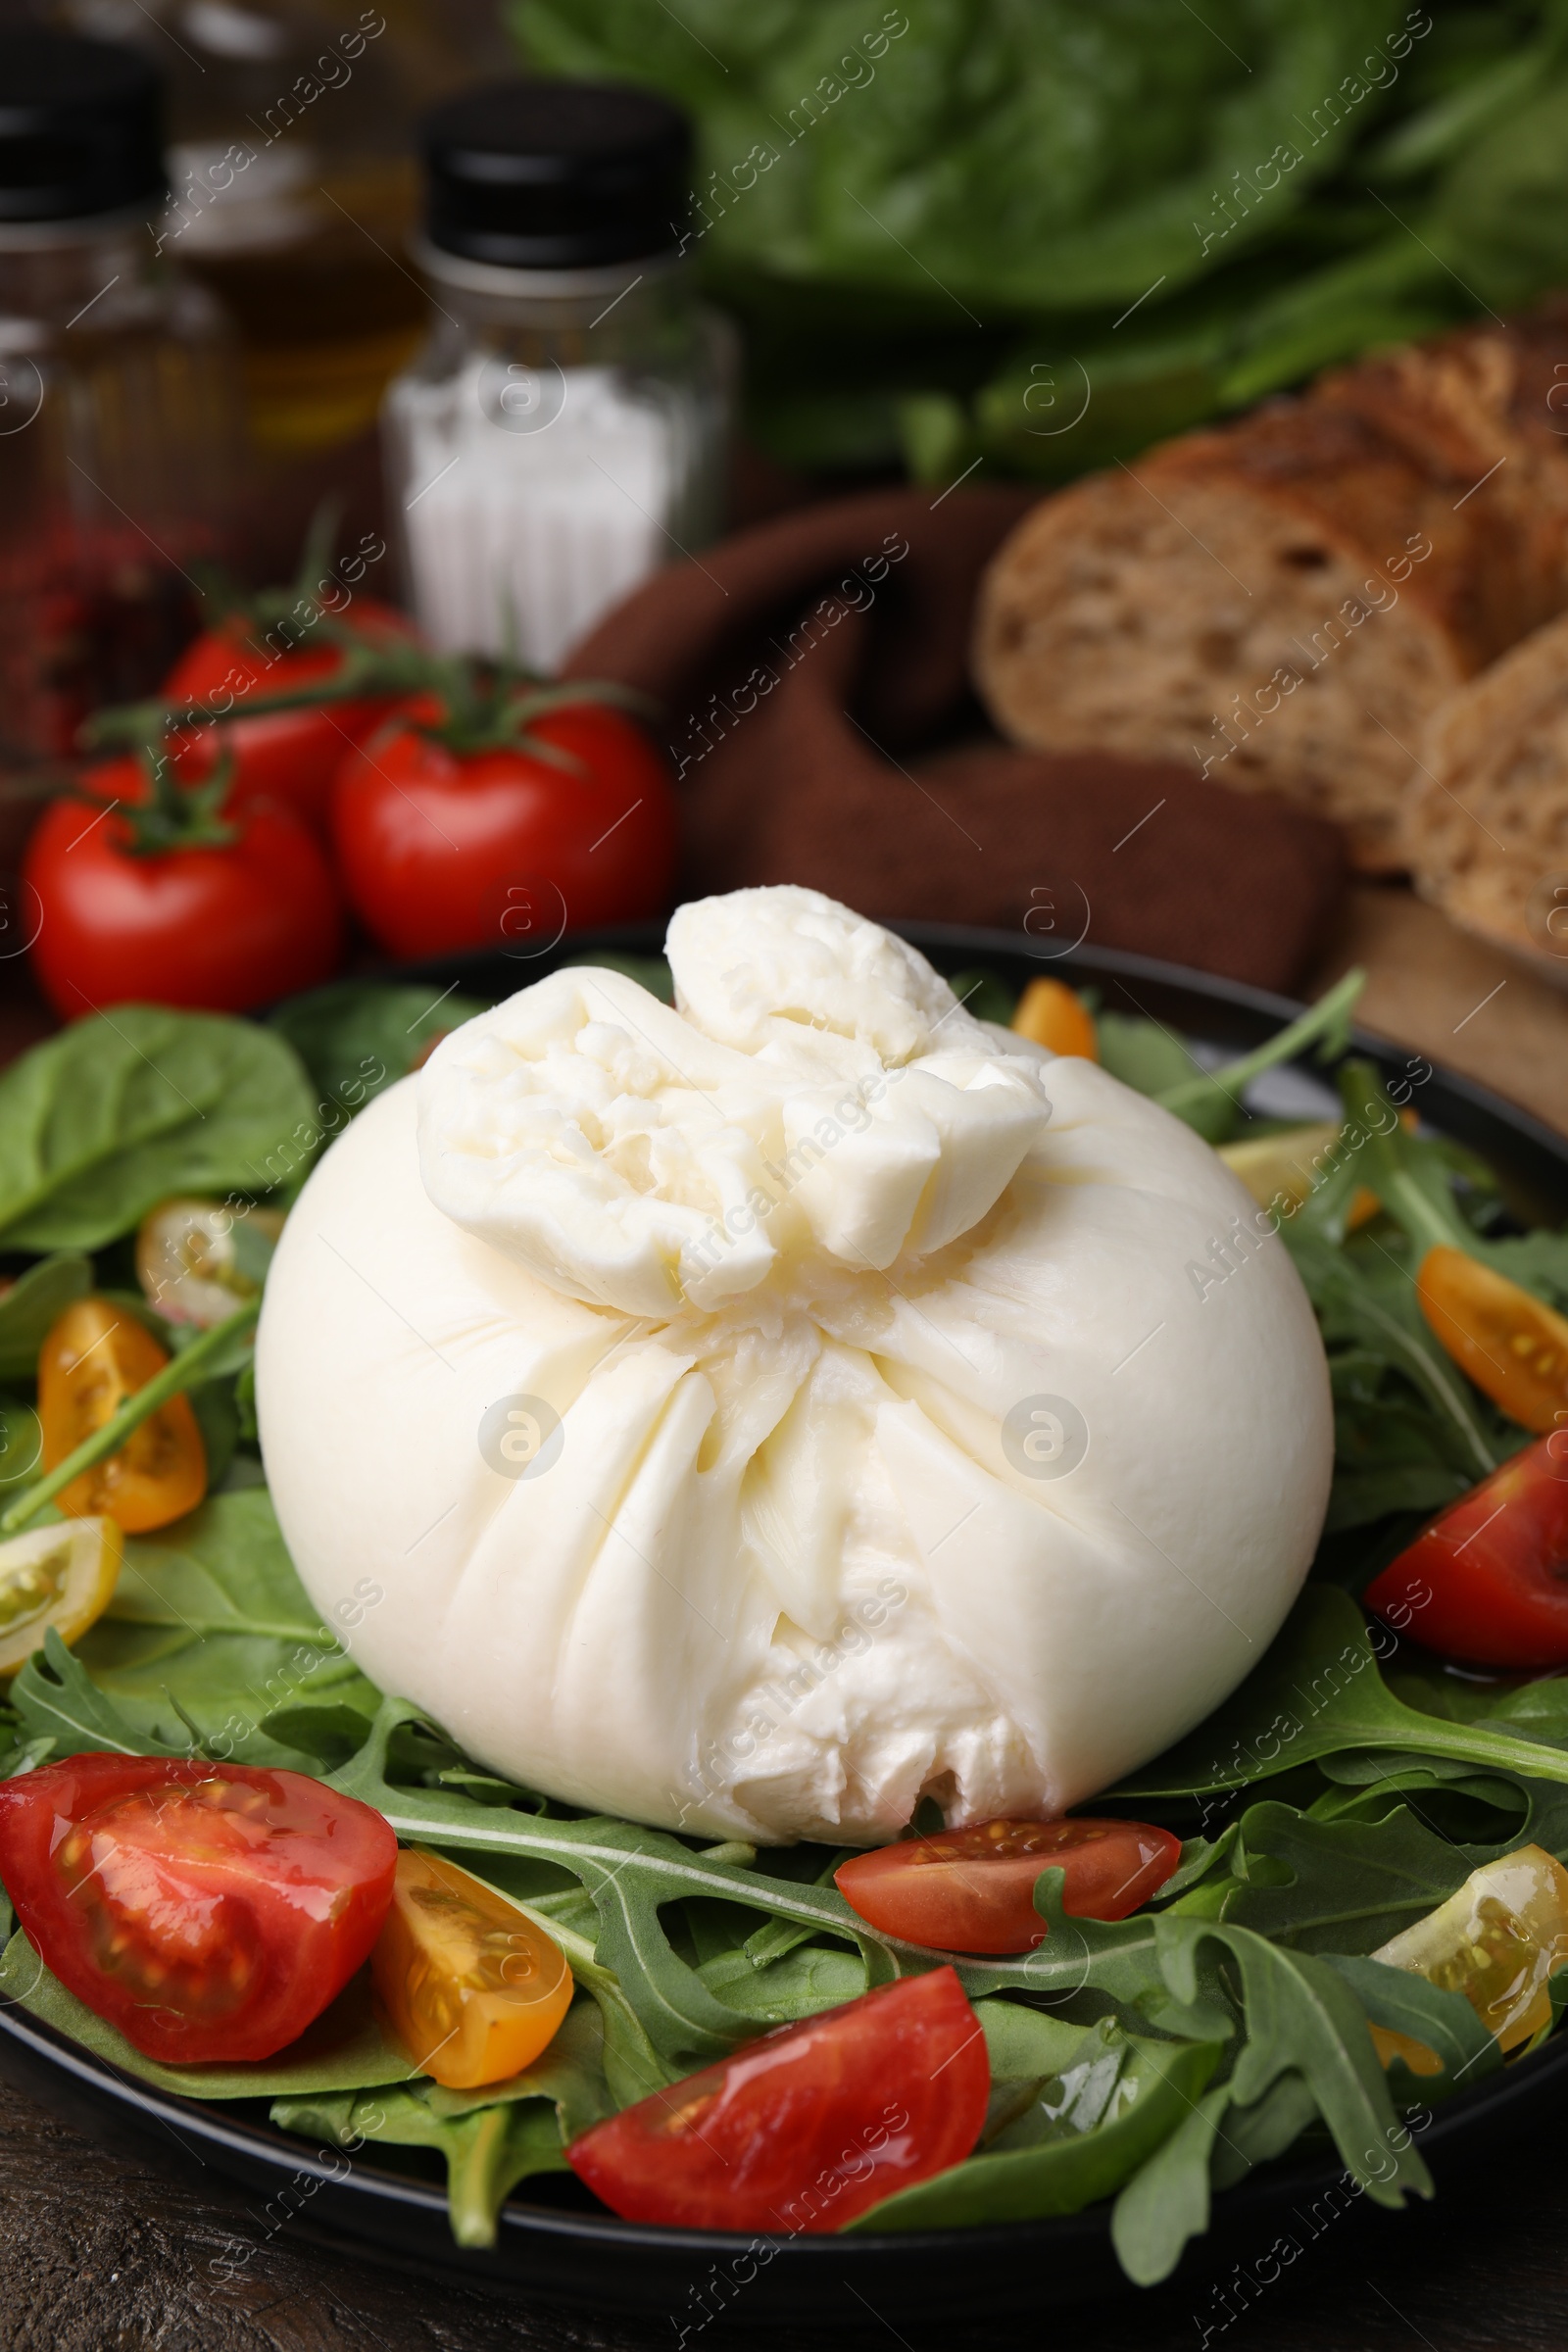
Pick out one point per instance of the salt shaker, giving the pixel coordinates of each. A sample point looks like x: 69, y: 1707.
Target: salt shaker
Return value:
x: 562, y: 433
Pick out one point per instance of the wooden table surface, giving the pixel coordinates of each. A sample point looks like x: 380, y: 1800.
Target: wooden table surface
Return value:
x: 110, y: 2252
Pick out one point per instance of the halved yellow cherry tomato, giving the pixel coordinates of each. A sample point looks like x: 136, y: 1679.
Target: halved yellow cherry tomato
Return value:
x: 1498, y: 1942
x: 1055, y: 1015
x: 1512, y: 1346
x: 1270, y: 1165
x: 95, y: 1356
x: 190, y: 1259
x: 474, y: 1989
x: 1418, y: 2056
x: 62, y: 1575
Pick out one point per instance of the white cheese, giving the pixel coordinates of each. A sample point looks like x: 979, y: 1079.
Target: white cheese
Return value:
x: 756, y: 1416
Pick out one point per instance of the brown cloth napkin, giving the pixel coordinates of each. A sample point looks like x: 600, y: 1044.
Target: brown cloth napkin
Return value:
x: 813, y: 673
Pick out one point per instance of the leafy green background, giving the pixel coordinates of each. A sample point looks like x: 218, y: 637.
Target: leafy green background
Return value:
x: 954, y: 226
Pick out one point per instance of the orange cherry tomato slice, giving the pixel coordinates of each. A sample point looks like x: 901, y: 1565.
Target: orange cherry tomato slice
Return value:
x: 1054, y: 1015
x: 808, y: 2127
x: 973, y: 1891
x: 474, y: 1987
x: 1488, y: 1580
x: 95, y: 1356
x: 208, y: 1911
x: 1512, y: 1346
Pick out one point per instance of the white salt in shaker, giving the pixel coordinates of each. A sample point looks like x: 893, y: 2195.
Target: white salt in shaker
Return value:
x: 563, y: 432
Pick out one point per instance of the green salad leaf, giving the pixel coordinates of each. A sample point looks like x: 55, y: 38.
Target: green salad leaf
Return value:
x: 120, y: 1109
x: 209, y: 1632
x: 1317, y: 1690
x: 954, y: 161
x: 356, y: 1037
x: 1091, y: 2127
x: 1406, y: 2003
x: 31, y: 1305
x: 486, y: 2151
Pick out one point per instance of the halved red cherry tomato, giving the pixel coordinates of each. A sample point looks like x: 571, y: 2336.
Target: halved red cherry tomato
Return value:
x: 973, y: 1891
x: 208, y: 1911
x: 1488, y: 1581
x: 808, y: 2127
x: 292, y: 757
x: 95, y: 1356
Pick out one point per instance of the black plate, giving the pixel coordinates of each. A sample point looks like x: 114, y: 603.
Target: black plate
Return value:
x: 553, y: 2241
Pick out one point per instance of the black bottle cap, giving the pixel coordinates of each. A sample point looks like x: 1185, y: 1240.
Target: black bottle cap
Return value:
x: 542, y: 174
x: 80, y: 128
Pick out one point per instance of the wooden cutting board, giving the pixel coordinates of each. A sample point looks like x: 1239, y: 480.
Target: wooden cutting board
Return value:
x: 1454, y: 999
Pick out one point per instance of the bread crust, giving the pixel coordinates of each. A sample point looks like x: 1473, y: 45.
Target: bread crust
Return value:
x: 1429, y: 485
x: 1486, y: 816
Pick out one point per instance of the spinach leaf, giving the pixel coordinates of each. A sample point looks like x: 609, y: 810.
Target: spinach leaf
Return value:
x: 20, y: 1442
x: 122, y: 1108
x: 30, y: 1305
x: 649, y: 972
x: 1083, y: 2153
x: 985, y: 996
x: 356, y: 1036
x: 343, y: 2049
x: 208, y: 1632
x: 1041, y: 162
x: 1318, y: 1689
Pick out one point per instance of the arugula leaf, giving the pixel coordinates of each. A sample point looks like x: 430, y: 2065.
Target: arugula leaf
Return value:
x: 1318, y: 1689
x: 122, y: 1108
x: 1340, y: 1885
x: 30, y: 1305
x: 487, y: 2151
x: 1077, y: 2163
x: 1166, y: 2201
x: 1143, y: 1055
x: 1212, y: 1099
x: 57, y: 1701
x: 569, y: 2072
x: 343, y: 2049
x: 491, y: 2137
x: 356, y: 1037
x: 630, y: 1872
x: 1406, y: 2003
x: 1366, y: 1298
x: 1301, y: 2015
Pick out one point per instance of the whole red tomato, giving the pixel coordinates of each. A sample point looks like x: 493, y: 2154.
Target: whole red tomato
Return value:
x: 465, y: 843
x: 293, y: 755
x: 210, y: 1911
x: 237, y: 909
